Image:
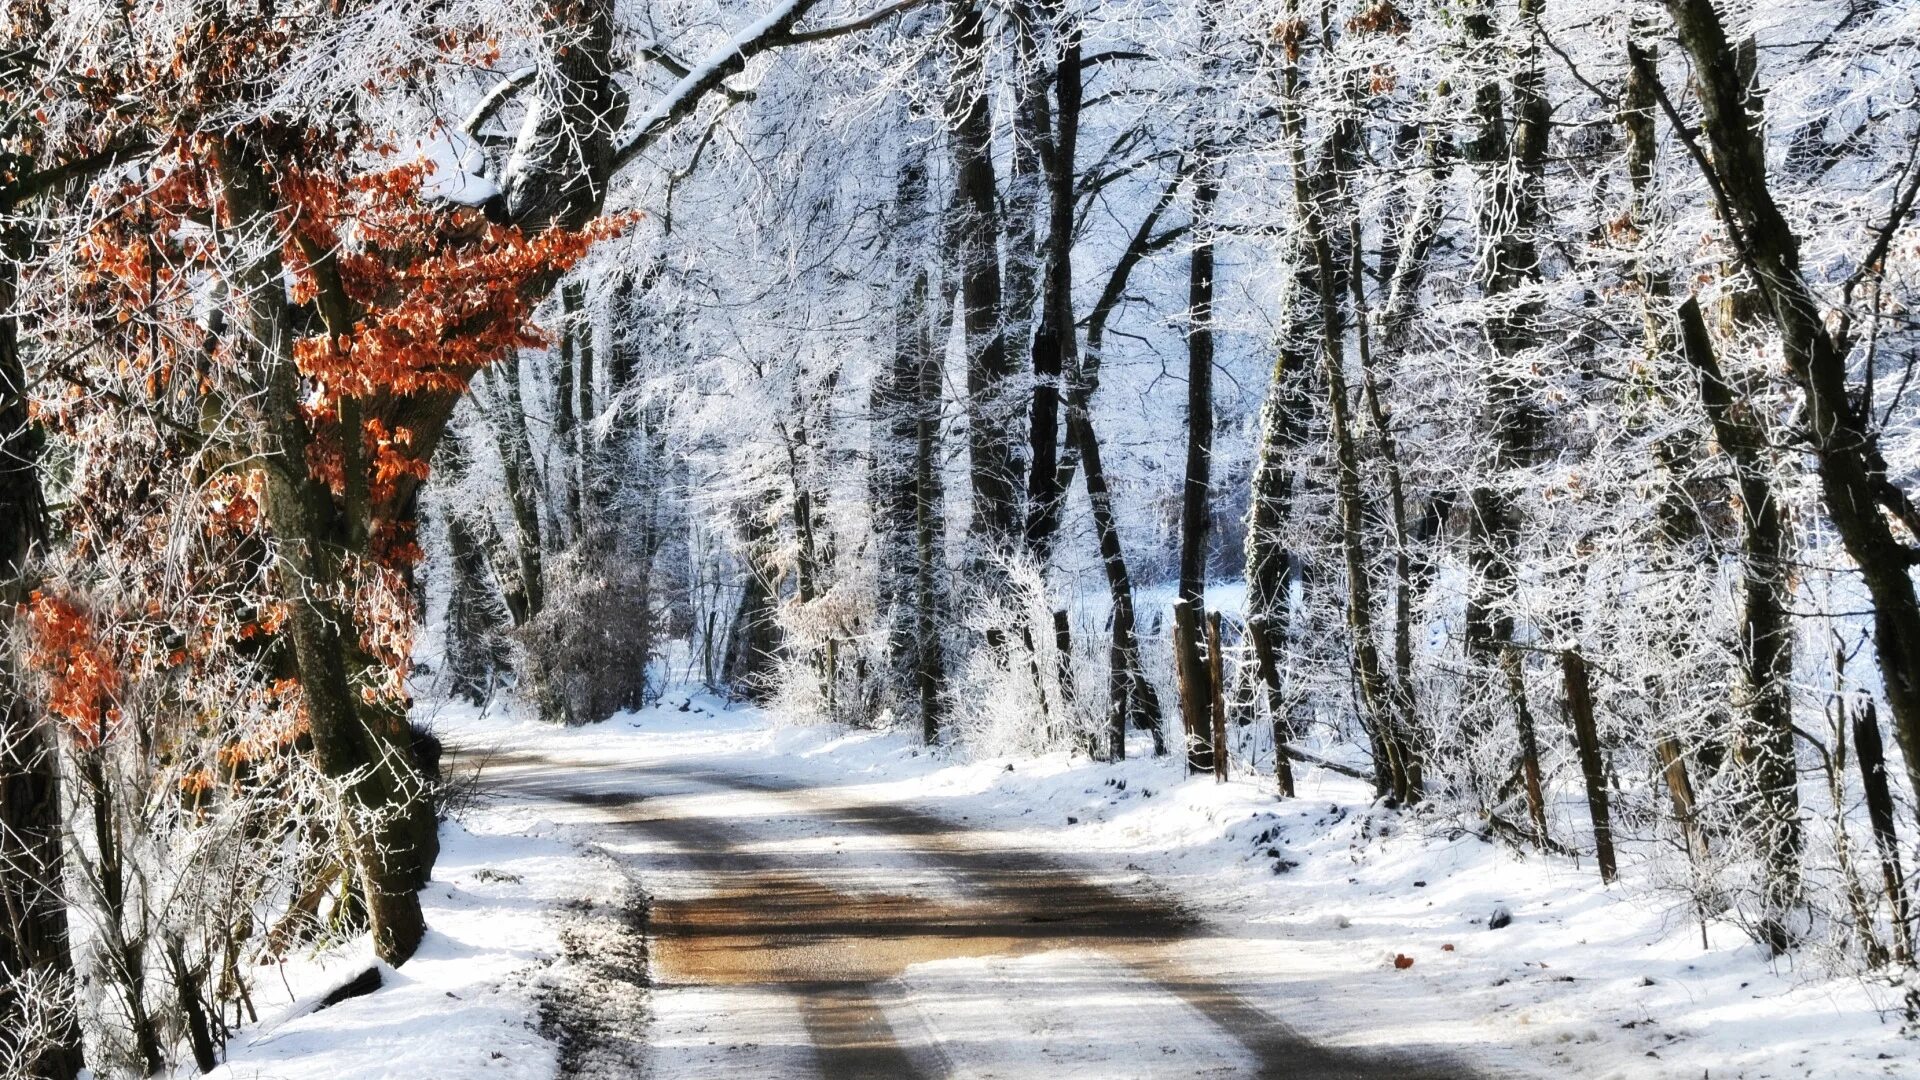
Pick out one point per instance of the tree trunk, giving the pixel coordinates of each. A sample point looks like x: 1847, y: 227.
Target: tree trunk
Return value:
x: 1028, y: 181
x: 563, y: 461
x: 753, y: 641
x: 33, y: 903
x: 1269, y: 564
x: 365, y: 746
x: 1319, y: 206
x: 1512, y: 162
x: 1873, y: 776
x: 905, y: 464
x: 473, y: 623
x: 993, y: 471
x: 1196, y: 503
x: 1763, y: 745
x: 507, y: 415
x: 1579, y: 689
x: 1056, y: 344
x: 1133, y: 699
x: 1217, y: 704
x: 1853, y: 480
x: 1196, y: 688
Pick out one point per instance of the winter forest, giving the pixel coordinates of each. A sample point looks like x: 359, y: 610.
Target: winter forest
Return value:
x: 1471, y: 430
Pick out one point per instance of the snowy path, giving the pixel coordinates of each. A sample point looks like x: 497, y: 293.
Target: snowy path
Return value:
x: 802, y: 931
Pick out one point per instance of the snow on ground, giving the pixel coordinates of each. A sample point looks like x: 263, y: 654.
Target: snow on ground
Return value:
x: 467, y: 1004
x: 1310, y: 899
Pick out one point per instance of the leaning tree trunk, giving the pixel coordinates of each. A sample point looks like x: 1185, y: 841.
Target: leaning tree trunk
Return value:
x: 1133, y: 699
x: 1853, y: 481
x: 1764, y: 745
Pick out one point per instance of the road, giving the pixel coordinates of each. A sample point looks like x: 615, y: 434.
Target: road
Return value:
x: 796, y: 931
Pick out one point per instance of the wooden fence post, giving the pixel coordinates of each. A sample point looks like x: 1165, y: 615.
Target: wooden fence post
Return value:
x: 1216, y: 667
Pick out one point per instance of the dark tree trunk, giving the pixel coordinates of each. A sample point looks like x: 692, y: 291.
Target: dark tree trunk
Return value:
x: 1269, y: 564
x: 905, y: 463
x: 33, y: 903
x: 1579, y: 690
x: 1763, y: 744
x: 564, y: 458
x: 1873, y: 775
x: 1132, y: 696
x: 1217, y: 703
x: 992, y: 406
x: 1853, y: 480
x: 388, y: 818
x: 1196, y: 688
x: 1056, y: 345
x: 507, y: 416
x: 753, y: 642
x: 1196, y: 502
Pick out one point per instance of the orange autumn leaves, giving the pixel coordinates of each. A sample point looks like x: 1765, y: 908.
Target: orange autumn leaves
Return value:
x: 403, y: 296
x: 435, y: 293
x: 393, y: 296
x: 83, y: 682
x: 439, y: 292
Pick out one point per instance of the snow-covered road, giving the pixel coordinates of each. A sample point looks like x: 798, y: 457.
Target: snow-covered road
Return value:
x: 801, y: 930
x: 843, y: 903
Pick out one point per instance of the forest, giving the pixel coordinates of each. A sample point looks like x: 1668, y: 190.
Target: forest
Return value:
x: 1506, y: 406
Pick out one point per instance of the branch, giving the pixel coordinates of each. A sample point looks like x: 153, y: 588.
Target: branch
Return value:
x: 1685, y: 135
x: 46, y: 179
x: 856, y: 25
x: 1902, y: 206
x: 1111, y: 55
x: 497, y: 97
x: 772, y: 31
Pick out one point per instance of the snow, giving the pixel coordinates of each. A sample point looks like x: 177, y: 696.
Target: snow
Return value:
x: 466, y: 1005
x: 1600, y: 981
x: 1306, y: 902
x: 698, y: 74
x: 455, y: 169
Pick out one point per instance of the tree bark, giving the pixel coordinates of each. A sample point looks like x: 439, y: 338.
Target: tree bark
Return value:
x: 1763, y: 745
x: 1873, y: 776
x: 1196, y: 503
x: 34, y: 942
x: 994, y: 469
x: 1196, y: 688
x: 388, y: 817
x: 1579, y: 690
x: 1056, y: 343
x: 1217, y: 704
x: 1853, y: 482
